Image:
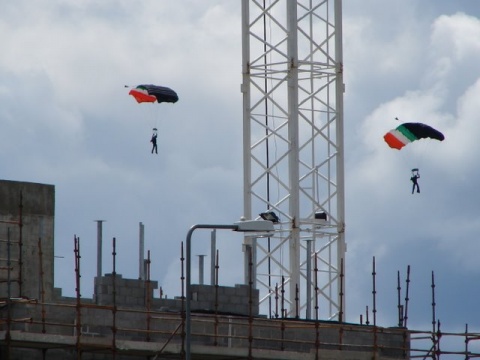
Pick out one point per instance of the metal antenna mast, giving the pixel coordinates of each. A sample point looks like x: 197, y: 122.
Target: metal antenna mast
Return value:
x: 293, y: 150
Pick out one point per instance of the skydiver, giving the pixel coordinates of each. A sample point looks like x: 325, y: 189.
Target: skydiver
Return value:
x: 153, y: 140
x: 414, y: 178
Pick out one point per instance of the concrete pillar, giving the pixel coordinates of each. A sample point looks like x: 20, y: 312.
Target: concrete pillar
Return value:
x: 27, y: 211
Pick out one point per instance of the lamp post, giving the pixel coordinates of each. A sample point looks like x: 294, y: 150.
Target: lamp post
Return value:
x: 241, y: 226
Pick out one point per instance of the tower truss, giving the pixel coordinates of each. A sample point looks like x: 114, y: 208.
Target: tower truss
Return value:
x: 293, y: 152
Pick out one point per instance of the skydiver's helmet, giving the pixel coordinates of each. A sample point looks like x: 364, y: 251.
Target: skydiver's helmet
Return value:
x: 154, y: 131
x: 415, y: 172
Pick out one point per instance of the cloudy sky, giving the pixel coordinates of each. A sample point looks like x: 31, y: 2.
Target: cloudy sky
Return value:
x: 66, y: 119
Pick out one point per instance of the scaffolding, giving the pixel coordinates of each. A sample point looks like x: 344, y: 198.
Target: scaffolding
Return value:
x: 83, y: 328
x: 105, y: 327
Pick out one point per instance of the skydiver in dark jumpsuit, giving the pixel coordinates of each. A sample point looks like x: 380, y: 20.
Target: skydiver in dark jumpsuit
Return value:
x: 414, y: 178
x: 153, y: 140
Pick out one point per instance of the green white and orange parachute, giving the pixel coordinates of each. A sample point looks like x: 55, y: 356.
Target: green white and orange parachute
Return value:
x: 410, y: 132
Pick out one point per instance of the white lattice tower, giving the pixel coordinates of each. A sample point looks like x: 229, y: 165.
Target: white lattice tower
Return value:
x: 293, y: 152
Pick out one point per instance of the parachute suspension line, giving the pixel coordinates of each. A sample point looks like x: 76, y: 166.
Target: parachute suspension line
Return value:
x: 153, y: 94
x: 424, y: 147
x: 154, y: 118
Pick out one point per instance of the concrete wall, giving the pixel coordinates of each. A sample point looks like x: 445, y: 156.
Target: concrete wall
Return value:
x: 125, y: 292
x: 224, y: 299
x: 27, y: 213
x: 205, y: 298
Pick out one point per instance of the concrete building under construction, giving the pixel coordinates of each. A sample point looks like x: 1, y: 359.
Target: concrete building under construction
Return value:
x: 124, y: 320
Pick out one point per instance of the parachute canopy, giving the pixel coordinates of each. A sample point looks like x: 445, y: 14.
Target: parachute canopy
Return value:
x: 409, y: 132
x: 153, y: 93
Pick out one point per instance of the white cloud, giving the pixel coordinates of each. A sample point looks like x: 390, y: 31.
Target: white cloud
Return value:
x: 456, y: 35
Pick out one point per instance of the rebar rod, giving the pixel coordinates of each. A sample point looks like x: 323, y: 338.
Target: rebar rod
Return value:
x: 434, y: 339
x: 182, y: 280
x: 276, y: 301
x: 42, y: 287
x: 9, y: 309
x: 250, y: 306
x: 466, y: 342
x: 217, y: 270
x: 78, y: 322
x: 374, y: 309
x: 282, y: 326
x: 374, y: 293
x: 342, y: 293
x: 114, y: 296
x: 399, y: 304
x: 340, y: 314
x: 20, y: 246
x: 407, y: 299
x: 147, y: 295
x: 317, y: 323
x: 439, y: 338
x: 296, y: 301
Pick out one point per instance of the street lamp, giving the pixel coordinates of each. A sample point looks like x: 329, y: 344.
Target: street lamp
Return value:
x: 270, y: 216
x: 241, y: 226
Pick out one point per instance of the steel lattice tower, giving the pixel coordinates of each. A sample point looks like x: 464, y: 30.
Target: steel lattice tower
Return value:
x: 293, y: 153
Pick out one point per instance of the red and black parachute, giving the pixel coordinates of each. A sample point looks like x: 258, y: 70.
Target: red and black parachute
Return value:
x: 153, y: 93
